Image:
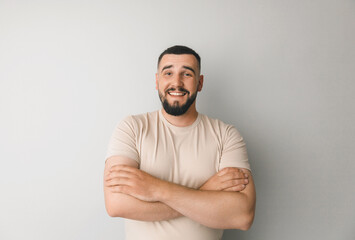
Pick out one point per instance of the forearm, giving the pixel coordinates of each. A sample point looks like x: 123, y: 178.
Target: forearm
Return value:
x: 214, y: 209
x: 125, y: 206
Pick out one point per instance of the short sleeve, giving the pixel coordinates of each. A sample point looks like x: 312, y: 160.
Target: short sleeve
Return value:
x: 123, y: 140
x: 234, y: 151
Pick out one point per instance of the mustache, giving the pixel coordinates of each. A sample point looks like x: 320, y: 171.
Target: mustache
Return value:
x: 180, y: 89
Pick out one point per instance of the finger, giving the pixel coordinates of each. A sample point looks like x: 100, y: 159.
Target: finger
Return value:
x: 234, y: 182
x: 232, y: 175
x: 122, y: 167
x: 116, y: 167
x: 246, y: 171
x: 237, y: 188
x: 133, y: 170
x: 116, y: 174
x: 119, y: 189
x: 228, y: 170
x: 113, y: 174
x: 118, y: 181
x: 222, y: 172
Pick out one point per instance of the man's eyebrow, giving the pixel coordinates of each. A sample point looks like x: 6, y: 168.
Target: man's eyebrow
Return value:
x: 189, y: 68
x: 186, y: 67
x: 166, y: 67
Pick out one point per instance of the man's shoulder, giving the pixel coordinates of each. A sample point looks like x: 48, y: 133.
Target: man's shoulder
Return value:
x: 140, y: 119
x: 221, y: 128
x: 215, y: 122
x: 224, y: 131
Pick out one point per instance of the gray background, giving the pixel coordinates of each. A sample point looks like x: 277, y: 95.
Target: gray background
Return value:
x: 281, y: 71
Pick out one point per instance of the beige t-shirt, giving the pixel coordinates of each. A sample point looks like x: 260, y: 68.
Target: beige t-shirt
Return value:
x: 188, y: 156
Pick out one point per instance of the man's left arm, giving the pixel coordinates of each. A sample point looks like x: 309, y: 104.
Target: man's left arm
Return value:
x: 215, y: 209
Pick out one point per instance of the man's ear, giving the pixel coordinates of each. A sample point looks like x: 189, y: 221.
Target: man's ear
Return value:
x: 200, y: 83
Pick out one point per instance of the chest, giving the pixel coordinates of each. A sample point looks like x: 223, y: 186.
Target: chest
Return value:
x: 188, y: 158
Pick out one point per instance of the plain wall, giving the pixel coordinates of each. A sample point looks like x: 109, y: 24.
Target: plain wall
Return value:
x: 281, y: 71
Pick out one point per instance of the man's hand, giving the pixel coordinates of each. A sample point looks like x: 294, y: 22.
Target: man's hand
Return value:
x: 134, y: 182
x: 228, y: 179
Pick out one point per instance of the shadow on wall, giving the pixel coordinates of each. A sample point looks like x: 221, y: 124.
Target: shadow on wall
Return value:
x: 232, y: 234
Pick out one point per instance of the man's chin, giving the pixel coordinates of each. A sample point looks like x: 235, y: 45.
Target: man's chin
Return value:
x: 176, y: 104
x: 176, y: 107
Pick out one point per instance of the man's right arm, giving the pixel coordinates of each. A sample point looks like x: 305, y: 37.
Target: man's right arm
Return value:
x: 122, y: 205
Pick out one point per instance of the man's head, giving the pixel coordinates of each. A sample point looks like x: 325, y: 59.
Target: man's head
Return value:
x: 178, y: 79
x: 179, y: 50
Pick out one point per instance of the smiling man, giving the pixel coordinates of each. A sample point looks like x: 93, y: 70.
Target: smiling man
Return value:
x: 176, y: 173
x: 181, y: 98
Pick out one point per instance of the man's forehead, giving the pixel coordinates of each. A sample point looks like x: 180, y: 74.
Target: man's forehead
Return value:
x: 178, y: 60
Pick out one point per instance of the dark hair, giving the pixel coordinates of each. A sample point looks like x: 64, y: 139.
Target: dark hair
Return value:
x: 178, y: 49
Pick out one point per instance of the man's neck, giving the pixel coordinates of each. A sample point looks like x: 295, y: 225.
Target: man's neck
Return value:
x: 184, y: 120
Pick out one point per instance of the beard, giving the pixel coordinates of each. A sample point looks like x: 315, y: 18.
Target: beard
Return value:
x: 175, y: 109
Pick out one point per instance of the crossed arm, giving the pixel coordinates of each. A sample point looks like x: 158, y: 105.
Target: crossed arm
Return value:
x: 226, y: 200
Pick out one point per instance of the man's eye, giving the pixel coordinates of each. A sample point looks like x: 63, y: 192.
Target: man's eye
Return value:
x: 168, y: 73
x: 188, y: 74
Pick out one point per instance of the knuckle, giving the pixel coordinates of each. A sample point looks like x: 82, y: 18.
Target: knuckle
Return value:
x: 235, y: 182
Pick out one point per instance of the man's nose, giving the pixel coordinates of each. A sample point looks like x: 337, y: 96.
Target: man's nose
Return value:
x: 177, y: 81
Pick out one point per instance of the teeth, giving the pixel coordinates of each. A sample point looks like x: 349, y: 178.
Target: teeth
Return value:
x: 176, y: 94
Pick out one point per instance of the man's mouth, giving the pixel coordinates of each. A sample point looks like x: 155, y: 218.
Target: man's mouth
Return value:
x: 176, y: 93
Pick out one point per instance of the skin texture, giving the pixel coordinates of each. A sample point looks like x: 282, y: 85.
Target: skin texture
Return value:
x: 226, y: 200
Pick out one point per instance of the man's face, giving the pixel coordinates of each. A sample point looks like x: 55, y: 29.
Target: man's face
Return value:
x: 178, y: 80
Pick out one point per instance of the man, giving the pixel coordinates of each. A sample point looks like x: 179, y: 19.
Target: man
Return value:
x: 176, y: 173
